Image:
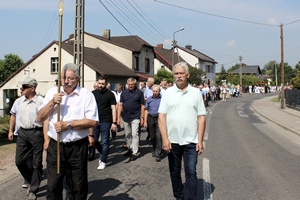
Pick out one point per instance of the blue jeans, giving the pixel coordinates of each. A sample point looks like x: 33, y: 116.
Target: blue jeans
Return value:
x: 190, y: 158
x: 102, y: 129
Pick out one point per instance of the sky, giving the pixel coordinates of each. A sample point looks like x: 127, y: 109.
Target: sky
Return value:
x: 221, y: 29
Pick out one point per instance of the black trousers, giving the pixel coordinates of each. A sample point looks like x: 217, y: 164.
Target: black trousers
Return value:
x: 73, y: 163
x: 155, y: 136
x: 29, y: 153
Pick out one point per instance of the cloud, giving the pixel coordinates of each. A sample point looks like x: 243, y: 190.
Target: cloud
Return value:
x: 230, y: 43
x: 272, y: 21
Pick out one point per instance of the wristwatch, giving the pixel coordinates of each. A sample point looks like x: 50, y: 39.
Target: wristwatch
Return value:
x: 115, y: 123
x: 69, y: 127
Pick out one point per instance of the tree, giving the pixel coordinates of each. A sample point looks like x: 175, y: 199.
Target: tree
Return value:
x: 289, y: 73
x: 161, y: 74
x: 195, y: 75
x: 222, y: 76
x: 296, y: 81
x: 236, y: 66
x: 9, y: 65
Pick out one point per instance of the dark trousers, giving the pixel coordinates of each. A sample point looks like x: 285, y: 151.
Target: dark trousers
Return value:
x: 30, y: 146
x: 155, y: 136
x: 73, y: 163
x: 102, y: 130
x: 190, y: 157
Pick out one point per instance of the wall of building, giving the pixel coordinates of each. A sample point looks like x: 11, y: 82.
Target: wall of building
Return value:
x: 121, y: 54
x: 40, y: 69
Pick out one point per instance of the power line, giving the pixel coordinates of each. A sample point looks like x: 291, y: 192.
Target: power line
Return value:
x: 115, y: 17
x: 214, y: 15
x: 138, y: 19
x: 130, y: 19
x: 48, y: 33
x: 159, y: 31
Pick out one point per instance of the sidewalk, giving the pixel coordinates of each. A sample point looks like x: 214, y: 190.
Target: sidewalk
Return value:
x: 287, y: 118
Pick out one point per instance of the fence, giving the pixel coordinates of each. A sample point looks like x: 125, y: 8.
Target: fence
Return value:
x: 292, y: 99
x: 4, y: 112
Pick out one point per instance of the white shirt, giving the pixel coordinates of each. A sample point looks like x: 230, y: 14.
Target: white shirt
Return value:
x: 78, y: 105
x: 14, y: 111
x: 27, y: 111
x: 182, y: 110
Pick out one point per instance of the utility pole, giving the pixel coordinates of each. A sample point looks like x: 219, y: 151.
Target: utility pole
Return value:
x: 79, y: 38
x: 241, y: 74
x: 275, y: 75
x: 282, y: 68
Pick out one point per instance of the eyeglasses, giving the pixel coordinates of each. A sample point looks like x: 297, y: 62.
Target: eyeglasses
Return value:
x: 25, y: 87
x: 69, y: 78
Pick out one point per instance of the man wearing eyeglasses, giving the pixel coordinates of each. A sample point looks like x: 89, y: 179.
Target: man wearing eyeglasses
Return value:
x: 30, y: 135
x: 78, y: 113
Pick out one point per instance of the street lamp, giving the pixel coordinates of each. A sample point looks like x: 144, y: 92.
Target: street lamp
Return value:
x: 174, y: 44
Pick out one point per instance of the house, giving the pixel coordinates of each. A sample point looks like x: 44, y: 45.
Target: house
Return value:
x: 118, y: 58
x: 199, y: 60
x: 164, y: 58
x: 248, y: 70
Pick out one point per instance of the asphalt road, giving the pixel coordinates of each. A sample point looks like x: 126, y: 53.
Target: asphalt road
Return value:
x: 250, y: 157
x: 246, y: 157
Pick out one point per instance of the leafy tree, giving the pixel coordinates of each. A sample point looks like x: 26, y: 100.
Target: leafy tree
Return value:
x: 289, y: 73
x: 161, y: 74
x: 195, y: 75
x: 222, y: 76
x: 296, y: 81
x: 9, y: 65
x: 236, y: 66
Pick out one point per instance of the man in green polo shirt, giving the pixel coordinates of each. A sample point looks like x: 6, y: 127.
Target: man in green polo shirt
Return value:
x: 181, y: 122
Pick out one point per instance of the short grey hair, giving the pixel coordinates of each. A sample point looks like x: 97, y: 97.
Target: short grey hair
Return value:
x: 182, y: 64
x: 72, y: 67
x: 156, y: 86
x: 131, y: 80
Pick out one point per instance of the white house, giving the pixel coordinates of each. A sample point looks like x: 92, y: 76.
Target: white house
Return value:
x: 118, y: 58
x: 199, y: 60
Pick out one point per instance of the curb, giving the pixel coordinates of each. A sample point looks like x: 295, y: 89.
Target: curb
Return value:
x: 278, y: 123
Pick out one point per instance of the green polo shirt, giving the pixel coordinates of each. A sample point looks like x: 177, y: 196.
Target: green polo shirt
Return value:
x: 182, y: 110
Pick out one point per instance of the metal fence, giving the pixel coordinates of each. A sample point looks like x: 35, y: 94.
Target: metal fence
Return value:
x: 4, y: 112
x: 292, y: 99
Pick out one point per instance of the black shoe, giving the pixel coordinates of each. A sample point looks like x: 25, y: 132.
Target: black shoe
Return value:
x: 153, y: 154
x: 128, y: 153
x: 91, y: 157
x: 133, y: 157
x: 158, y: 159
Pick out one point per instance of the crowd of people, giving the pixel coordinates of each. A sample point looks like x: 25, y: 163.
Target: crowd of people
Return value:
x: 71, y: 123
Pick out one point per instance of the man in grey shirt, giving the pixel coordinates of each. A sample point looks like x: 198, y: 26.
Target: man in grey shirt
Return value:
x: 30, y: 136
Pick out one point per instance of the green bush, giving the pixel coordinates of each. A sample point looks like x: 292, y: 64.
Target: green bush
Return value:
x: 4, y: 125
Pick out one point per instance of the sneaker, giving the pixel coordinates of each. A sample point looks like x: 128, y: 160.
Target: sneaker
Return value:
x: 32, y: 196
x: 133, y: 157
x: 102, y: 165
x: 25, y: 184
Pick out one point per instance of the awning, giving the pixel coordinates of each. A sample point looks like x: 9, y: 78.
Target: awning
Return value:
x: 143, y: 77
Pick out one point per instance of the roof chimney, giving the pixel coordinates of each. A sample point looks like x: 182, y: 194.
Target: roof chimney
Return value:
x: 160, y: 45
x: 106, y: 33
x: 188, y: 47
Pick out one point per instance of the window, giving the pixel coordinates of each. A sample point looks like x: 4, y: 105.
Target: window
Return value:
x: 136, y: 63
x: 54, y: 65
x: 209, y: 68
x: 147, y: 65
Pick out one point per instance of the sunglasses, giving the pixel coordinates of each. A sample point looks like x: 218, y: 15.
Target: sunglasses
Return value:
x: 25, y: 87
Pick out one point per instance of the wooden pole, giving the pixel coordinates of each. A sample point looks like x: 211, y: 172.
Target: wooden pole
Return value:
x: 282, y: 68
x: 61, y: 8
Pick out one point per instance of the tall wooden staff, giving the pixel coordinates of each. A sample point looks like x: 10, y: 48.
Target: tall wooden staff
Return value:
x: 61, y: 8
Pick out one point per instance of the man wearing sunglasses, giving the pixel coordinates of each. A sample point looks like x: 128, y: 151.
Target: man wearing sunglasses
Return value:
x: 30, y: 135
